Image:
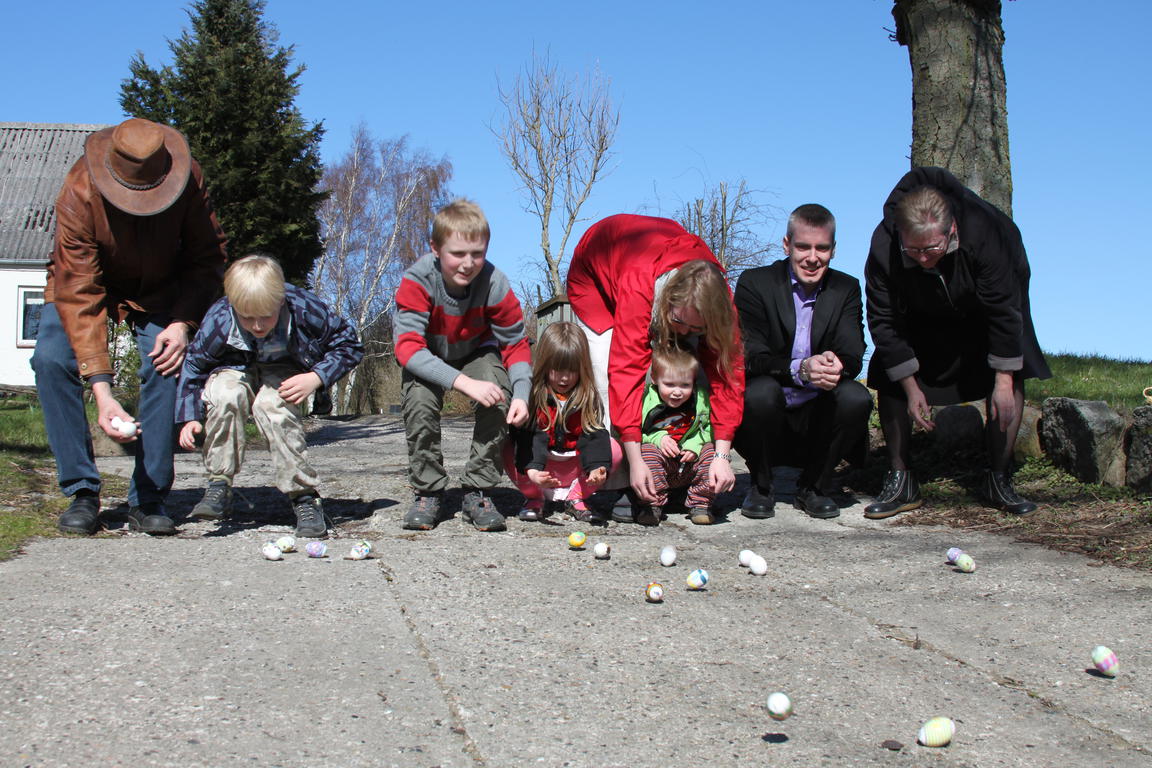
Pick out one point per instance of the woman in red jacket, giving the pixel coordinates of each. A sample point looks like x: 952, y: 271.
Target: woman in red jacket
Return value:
x: 636, y: 282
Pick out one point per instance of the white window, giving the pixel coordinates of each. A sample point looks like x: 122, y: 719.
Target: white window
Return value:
x: 28, y: 323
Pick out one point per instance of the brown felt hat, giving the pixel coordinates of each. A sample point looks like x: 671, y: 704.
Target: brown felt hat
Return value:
x: 139, y: 166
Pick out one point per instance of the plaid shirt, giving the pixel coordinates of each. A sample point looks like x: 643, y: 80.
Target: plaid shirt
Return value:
x: 318, y: 340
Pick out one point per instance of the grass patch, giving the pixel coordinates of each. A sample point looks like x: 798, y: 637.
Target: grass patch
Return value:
x: 1120, y: 383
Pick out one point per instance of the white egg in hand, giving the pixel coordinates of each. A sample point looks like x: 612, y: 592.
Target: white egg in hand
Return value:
x: 125, y: 428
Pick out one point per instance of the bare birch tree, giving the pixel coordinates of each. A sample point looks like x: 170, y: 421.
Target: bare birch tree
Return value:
x: 731, y: 221
x: 557, y: 135
x: 381, y: 199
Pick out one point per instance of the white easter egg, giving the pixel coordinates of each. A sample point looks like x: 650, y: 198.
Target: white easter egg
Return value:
x: 937, y: 732
x: 779, y: 706
x: 746, y: 556
x: 602, y: 551
x: 271, y: 551
x: 758, y: 566
x: 286, y: 543
x: 668, y: 556
x: 125, y: 428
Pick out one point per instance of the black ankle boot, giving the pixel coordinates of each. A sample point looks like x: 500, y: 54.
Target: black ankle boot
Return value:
x: 82, y: 515
x: 900, y: 493
x: 999, y: 492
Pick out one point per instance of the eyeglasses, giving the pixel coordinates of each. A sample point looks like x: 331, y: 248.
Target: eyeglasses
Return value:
x: 691, y: 328
x: 932, y: 250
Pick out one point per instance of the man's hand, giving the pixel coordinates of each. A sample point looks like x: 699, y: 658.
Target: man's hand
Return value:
x: 824, y: 370
x: 1003, y: 400
x: 669, y: 447
x: 295, y: 389
x: 485, y: 393
x: 596, y: 477
x: 543, y: 478
x: 918, y: 407
x: 188, y: 435
x: 639, y: 476
x: 107, y: 408
x: 168, y: 352
x: 517, y: 413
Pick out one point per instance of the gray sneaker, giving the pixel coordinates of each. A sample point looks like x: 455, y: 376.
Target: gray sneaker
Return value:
x: 217, y: 502
x: 310, y: 523
x: 424, y: 513
x: 479, y: 510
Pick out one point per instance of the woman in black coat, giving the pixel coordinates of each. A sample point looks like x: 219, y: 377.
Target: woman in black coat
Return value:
x: 947, y: 291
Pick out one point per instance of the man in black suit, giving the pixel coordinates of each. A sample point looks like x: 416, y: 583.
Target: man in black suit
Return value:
x: 803, y: 335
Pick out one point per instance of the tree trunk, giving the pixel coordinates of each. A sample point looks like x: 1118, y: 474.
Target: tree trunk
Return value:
x: 959, y: 112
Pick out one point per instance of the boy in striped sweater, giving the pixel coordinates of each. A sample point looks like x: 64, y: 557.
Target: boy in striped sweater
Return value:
x: 459, y: 326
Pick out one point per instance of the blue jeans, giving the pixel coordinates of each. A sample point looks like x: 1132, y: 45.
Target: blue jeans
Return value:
x: 61, y: 392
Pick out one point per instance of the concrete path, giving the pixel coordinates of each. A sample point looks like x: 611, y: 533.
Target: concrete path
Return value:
x: 456, y: 648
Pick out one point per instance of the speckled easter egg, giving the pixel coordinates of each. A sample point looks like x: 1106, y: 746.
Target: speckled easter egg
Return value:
x: 953, y: 553
x: 937, y: 732
x: 1105, y: 661
x: 746, y: 556
x: 576, y: 539
x: 315, y: 549
x: 286, y: 543
x: 668, y: 556
x: 654, y: 592
x: 602, y: 551
x: 779, y: 706
x: 366, y: 544
x: 359, y: 552
x: 271, y: 551
x: 965, y: 563
x: 697, y: 579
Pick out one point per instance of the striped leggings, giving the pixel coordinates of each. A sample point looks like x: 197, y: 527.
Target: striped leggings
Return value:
x: 672, y: 473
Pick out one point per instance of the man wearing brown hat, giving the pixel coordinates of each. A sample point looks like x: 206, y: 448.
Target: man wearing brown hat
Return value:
x: 136, y: 241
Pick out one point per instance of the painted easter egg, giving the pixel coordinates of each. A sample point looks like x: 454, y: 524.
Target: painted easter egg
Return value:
x: 359, y: 552
x: 668, y: 556
x: 654, y: 592
x: 271, y: 551
x: 697, y: 579
x: 602, y: 551
x: 779, y: 706
x: 954, y: 553
x: 965, y: 563
x: 937, y: 732
x: 576, y: 539
x: 286, y: 543
x: 315, y: 549
x: 1105, y: 661
x: 366, y: 544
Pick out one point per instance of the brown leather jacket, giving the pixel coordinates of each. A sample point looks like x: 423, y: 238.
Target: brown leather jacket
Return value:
x: 107, y: 263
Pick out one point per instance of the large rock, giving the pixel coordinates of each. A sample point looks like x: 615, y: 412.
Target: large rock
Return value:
x: 1138, y: 445
x: 1085, y: 438
x: 1028, y: 438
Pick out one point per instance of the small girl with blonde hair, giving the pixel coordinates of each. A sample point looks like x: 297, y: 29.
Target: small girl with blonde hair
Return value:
x: 571, y: 452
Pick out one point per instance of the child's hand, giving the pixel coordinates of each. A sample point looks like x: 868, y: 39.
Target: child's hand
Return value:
x: 687, y: 457
x: 485, y: 393
x: 542, y: 478
x: 596, y: 477
x: 669, y: 447
x: 296, y: 389
x: 517, y: 413
x: 188, y: 435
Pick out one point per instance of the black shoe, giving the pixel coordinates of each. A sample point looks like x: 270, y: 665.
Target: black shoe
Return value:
x: 217, y: 502
x: 900, y: 493
x: 815, y: 505
x: 648, y: 514
x: 758, y: 505
x: 480, y: 510
x: 999, y: 492
x: 82, y: 515
x: 310, y: 523
x: 151, y: 518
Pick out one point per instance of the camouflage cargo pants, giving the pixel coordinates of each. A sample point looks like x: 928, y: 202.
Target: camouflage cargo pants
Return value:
x: 229, y: 396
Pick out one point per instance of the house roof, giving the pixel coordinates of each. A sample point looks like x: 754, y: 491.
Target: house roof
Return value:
x: 34, y: 158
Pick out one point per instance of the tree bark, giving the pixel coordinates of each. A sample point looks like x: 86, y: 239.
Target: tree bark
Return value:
x: 959, y: 109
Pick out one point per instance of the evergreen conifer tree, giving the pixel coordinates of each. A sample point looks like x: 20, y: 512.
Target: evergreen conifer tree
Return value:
x: 230, y: 89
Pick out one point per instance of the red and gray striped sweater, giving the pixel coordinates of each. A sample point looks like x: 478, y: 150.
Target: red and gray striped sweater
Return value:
x: 435, y: 330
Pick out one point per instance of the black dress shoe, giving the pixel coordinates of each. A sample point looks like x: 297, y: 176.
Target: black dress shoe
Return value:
x: 999, y: 492
x: 82, y: 515
x: 152, y: 518
x: 813, y: 504
x: 900, y: 493
x: 758, y: 504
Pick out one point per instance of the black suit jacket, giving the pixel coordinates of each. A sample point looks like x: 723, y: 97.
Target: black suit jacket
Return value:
x: 768, y: 321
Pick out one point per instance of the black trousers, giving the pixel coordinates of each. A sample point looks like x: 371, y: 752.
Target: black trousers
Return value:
x: 814, y: 436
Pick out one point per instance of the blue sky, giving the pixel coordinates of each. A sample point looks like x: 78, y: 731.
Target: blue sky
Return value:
x: 808, y: 101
